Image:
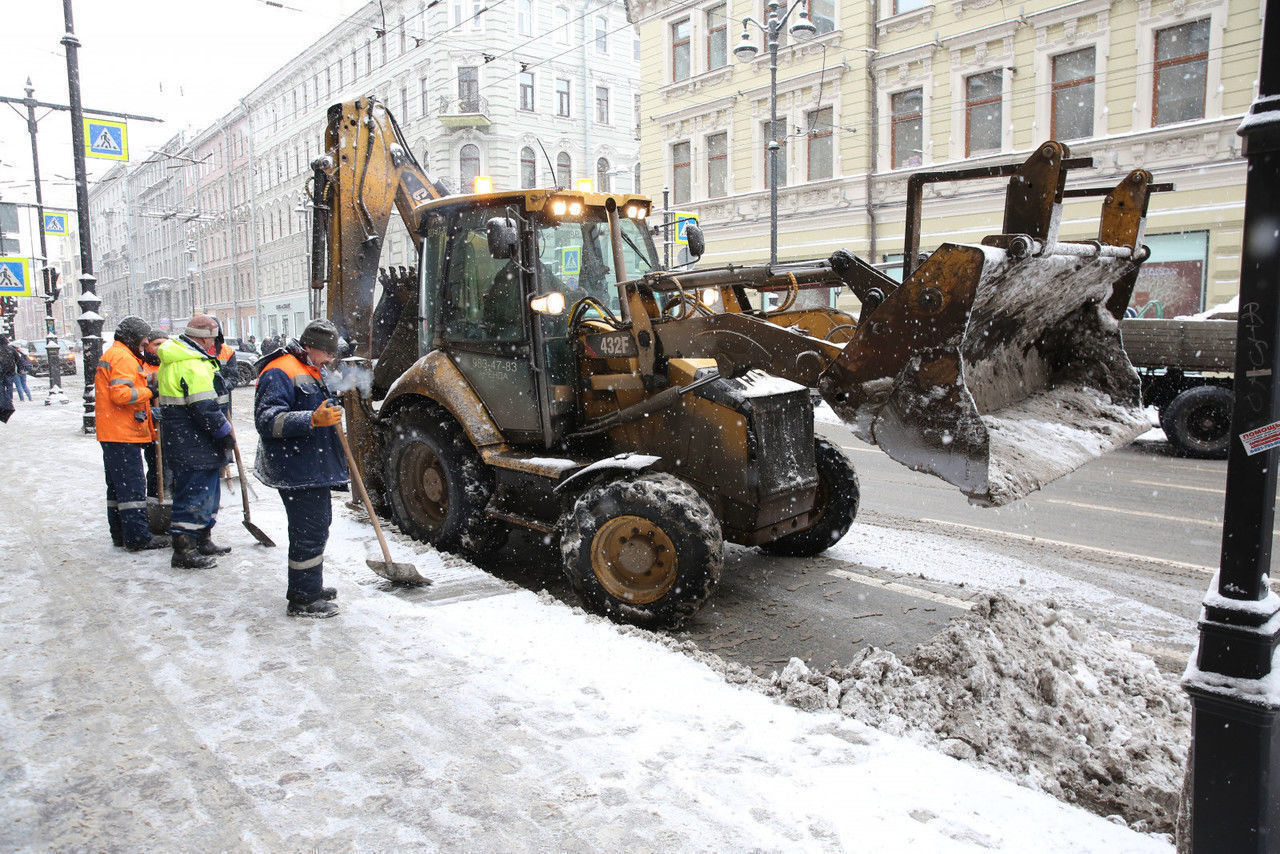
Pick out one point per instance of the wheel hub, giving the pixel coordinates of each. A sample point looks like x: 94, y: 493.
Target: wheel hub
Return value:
x: 634, y: 559
x: 433, y: 485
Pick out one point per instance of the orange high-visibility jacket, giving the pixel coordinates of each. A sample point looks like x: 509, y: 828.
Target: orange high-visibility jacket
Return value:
x: 225, y: 353
x: 122, y: 401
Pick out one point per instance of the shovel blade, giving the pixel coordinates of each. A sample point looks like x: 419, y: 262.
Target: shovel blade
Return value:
x: 259, y: 534
x: 158, y: 517
x: 400, y: 573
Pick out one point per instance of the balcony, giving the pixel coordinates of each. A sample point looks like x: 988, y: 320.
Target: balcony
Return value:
x: 465, y: 113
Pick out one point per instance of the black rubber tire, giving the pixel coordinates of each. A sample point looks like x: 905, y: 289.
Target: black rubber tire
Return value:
x: 662, y: 511
x: 429, y: 453
x: 1197, y: 422
x: 245, y: 373
x: 838, y: 497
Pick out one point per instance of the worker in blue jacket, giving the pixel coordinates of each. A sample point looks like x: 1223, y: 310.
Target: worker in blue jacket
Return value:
x: 300, y: 454
x: 197, y: 440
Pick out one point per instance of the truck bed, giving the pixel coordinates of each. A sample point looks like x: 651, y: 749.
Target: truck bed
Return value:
x: 1191, y: 345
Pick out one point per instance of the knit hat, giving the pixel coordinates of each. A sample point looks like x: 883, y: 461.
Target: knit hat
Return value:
x: 132, y: 330
x: 320, y: 334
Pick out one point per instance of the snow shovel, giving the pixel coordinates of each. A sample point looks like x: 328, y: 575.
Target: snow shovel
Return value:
x: 258, y: 533
x: 160, y: 514
x: 400, y: 573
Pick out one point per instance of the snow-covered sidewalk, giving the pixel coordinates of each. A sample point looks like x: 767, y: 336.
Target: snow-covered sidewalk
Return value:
x: 150, y: 708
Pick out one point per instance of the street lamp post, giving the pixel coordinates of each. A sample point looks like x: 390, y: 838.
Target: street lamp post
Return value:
x: 746, y: 51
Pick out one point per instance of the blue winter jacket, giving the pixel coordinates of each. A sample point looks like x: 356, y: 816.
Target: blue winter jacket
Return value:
x: 291, y: 453
x: 196, y: 406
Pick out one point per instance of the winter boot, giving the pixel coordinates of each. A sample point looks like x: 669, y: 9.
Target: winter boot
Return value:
x: 316, y: 609
x: 328, y: 593
x: 185, y: 555
x: 159, y: 541
x: 206, y: 546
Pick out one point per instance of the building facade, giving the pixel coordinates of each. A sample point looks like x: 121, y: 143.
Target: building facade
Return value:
x: 888, y: 88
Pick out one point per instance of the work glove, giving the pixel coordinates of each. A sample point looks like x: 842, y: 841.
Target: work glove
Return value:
x: 228, y: 442
x: 326, y: 415
x: 153, y: 383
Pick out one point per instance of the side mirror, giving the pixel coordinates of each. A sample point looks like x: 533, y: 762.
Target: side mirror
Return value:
x: 696, y: 239
x: 502, y: 237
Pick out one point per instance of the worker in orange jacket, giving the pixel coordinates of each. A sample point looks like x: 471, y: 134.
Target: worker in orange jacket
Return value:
x: 122, y: 415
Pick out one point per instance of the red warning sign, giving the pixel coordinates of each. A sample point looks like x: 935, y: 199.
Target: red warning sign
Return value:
x: 1261, y: 439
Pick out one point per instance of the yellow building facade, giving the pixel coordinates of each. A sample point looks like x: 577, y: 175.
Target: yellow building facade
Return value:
x: 884, y: 89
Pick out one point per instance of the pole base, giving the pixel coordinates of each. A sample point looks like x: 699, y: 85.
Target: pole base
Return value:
x: 55, y: 394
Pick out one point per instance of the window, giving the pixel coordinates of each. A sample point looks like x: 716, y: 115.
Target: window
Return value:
x: 635, y: 48
x: 526, y: 90
x: 528, y: 168
x: 602, y: 175
x: 900, y: 6
x: 823, y: 15
x: 602, y: 105
x: 404, y: 103
x: 524, y: 17
x: 602, y: 34
x: 468, y: 166
x: 820, y: 144
x: 562, y: 25
x: 983, y: 130
x: 907, y: 127
x: 1182, y: 62
x: 717, y: 164
x: 564, y: 170
x: 426, y: 95
x: 1172, y: 281
x: 767, y: 133
x: 1072, y: 116
x: 717, y: 37
x: 680, y: 50
x: 469, y: 89
x: 562, y: 97
x: 681, y: 173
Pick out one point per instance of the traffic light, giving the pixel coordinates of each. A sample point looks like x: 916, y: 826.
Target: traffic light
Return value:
x: 51, y: 289
x: 9, y: 306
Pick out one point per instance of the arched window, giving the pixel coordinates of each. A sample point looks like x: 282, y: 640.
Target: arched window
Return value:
x: 564, y: 169
x: 468, y: 166
x: 528, y: 168
x: 602, y: 175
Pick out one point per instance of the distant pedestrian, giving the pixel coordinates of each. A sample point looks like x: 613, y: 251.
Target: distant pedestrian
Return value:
x: 196, y: 438
x: 8, y: 368
x: 122, y: 420
x: 253, y: 344
x: 300, y: 454
x: 22, y: 368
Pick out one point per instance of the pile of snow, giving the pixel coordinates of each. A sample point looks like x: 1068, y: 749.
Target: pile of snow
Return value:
x: 1029, y: 690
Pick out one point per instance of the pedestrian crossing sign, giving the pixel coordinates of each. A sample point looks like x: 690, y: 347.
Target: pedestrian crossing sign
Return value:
x: 570, y: 260
x: 106, y: 140
x: 15, y: 277
x: 55, y: 224
x: 682, y: 221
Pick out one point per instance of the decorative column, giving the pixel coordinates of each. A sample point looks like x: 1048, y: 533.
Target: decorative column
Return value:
x: 91, y: 334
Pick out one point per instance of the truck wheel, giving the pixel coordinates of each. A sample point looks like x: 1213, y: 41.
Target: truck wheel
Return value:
x: 645, y: 550
x: 1198, y: 422
x: 836, y: 504
x: 437, y: 485
x: 245, y: 372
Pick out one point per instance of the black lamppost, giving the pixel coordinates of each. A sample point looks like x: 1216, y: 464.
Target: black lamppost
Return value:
x: 1235, y: 707
x: 746, y: 51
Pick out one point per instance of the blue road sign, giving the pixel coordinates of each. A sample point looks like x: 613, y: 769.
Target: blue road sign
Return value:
x: 106, y: 140
x: 55, y: 223
x: 15, y: 277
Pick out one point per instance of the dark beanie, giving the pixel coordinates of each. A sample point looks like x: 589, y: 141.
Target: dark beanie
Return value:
x: 320, y: 334
x: 132, y: 330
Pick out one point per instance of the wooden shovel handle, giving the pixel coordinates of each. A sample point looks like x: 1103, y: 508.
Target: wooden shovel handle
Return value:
x: 244, y: 492
x: 364, y: 496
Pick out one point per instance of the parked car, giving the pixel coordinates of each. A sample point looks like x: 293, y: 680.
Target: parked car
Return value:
x: 245, y: 359
x: 38, y: 353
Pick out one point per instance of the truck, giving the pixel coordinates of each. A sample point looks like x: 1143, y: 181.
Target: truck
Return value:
x: 538, y: 369
x: 1186, y: 368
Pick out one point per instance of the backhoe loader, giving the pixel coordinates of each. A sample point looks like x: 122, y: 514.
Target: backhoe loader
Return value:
x: 538, y: 370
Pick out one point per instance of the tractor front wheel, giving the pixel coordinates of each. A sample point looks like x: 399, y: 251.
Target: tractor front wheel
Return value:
x: 646, y: 550
x: 836, y: 505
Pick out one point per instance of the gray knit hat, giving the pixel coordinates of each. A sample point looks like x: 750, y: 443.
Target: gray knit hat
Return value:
x: 131, y: 330
x: 320, y: 334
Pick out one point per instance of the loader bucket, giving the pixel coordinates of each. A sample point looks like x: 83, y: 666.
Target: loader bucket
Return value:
x: 996, y: 370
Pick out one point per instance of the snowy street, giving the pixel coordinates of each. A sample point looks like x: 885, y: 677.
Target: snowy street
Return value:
x: 151, y: 708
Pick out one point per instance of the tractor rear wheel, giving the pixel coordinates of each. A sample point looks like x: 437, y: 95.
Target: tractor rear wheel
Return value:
x: 646, y: 550
x: 437, y: 485
x: 836, y: 505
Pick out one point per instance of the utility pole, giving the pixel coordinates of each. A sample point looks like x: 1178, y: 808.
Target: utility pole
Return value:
x: 1235, y: 703
x: 49, y: 276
